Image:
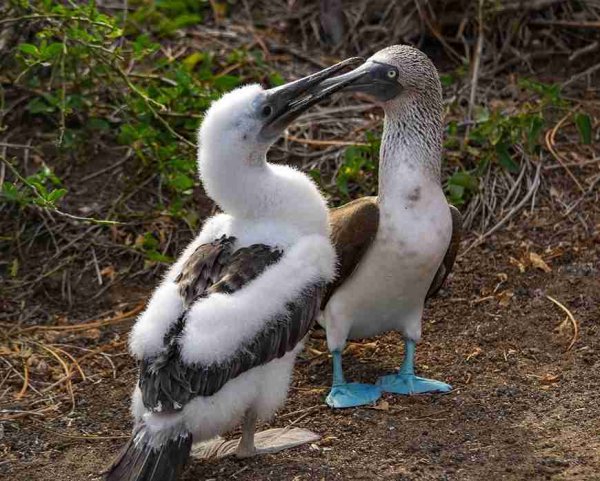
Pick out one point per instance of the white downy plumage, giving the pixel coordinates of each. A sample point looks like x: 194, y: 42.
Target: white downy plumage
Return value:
x: 274, y: 205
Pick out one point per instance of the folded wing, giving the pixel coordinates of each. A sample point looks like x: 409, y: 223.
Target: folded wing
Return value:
x: 450, y: 256
x: 167, y: 383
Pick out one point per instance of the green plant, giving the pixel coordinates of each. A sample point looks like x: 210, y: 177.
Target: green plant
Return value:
x: 166, y: 17
x: 93, y: 74
x: 496, y: 135
x: 461, y: 185
x: 42, y: 189
x: 584, y: 127
x: 149, y: 245
x: 502, y: 136
x: 359, y: 168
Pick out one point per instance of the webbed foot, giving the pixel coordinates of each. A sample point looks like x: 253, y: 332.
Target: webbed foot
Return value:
x: 352, y: 394
x: 411, y: 384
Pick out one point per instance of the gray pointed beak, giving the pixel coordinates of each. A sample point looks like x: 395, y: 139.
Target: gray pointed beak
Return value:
x: 289, y: 101
x: 376, y: 79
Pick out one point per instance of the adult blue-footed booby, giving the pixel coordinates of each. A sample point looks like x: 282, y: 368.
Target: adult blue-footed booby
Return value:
x: 219, y: 336
x: 396, y: 249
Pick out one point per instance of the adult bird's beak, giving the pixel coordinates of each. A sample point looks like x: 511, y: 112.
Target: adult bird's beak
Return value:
x: 377, y: 79
x: 289, y: 101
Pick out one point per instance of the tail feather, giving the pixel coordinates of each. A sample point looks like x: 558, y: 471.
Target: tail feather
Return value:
x: 141, y: 461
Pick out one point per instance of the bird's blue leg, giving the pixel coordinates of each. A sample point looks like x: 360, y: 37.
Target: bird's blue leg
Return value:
x: 405, y: 382
x: 346, y: 395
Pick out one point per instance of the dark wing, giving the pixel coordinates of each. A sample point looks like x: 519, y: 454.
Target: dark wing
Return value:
x: 244, y: 265
x: 353, y: 228
x: 203, y: 268
x: 450, y: 257
x: 167, y: 383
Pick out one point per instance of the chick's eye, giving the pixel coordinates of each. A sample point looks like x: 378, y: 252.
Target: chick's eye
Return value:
x: 392, y: 73
x: 266, y: 111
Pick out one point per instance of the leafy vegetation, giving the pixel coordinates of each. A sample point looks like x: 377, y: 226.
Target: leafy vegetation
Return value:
x: 91, y: 75
x: 358, y: 172
x: 501, y: 136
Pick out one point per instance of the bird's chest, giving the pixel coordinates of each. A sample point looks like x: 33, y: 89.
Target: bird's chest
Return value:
x: 396, y: 272
x: 412, y: 240
x: 399, y: 266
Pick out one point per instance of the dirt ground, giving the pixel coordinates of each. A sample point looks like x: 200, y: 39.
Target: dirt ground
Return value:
x: 522, y: 406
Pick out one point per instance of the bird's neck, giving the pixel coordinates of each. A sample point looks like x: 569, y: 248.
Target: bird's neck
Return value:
x: 411, y: 149
x: 234, y: 180
x: 254, y: 190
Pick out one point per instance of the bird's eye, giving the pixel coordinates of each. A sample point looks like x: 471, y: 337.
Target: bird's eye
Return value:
x: 266, y: 111
x: 392, y: 73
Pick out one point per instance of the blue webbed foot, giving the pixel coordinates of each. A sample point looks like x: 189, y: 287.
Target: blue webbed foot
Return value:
x: 411, y: 384
x: 352, y: 394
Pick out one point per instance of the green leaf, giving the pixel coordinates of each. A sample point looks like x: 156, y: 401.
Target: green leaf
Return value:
x: 181, y: 21
x: 39, y: 106
x: 149, y: 242
x: 452, y: 127
x: 482, y: 114
x: 536, y: 123
x: 460, y: 186
x: 116, y: 33
x: 181, y: 181
x: 505, y: 160
x: 191, y: 60
x: 29, y: 49
x: 584, y: 126
x: 464, y: 179
x: 447, y: 80
x: 342, y: 184
x: 10, y: 191
x: 550, y: 93
x: 98, y: 124
x: 128, y: 134
x: 52, y: 51
x: 275, y: 79
x: 156, y: 256
x: 226, y: 82
x: 457, y: 193
x: 55, y: 195
x: 41, y: 188
x: 76, y: 102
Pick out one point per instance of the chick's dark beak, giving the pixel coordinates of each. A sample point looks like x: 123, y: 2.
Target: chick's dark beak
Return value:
x: 376, y: 79
x: 289, y: 101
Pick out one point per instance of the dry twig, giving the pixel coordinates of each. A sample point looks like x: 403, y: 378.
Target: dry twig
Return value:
x: 574, y: 322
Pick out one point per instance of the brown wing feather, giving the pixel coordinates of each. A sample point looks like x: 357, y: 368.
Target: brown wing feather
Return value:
x: 450, y: 257
x: 203, y: 268
x: 353, y: 228
x: 243, y: 266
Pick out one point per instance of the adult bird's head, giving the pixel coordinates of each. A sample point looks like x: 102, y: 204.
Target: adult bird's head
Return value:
x: 247, y: 120
x: 406, y: 84
x: 396, y: 76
